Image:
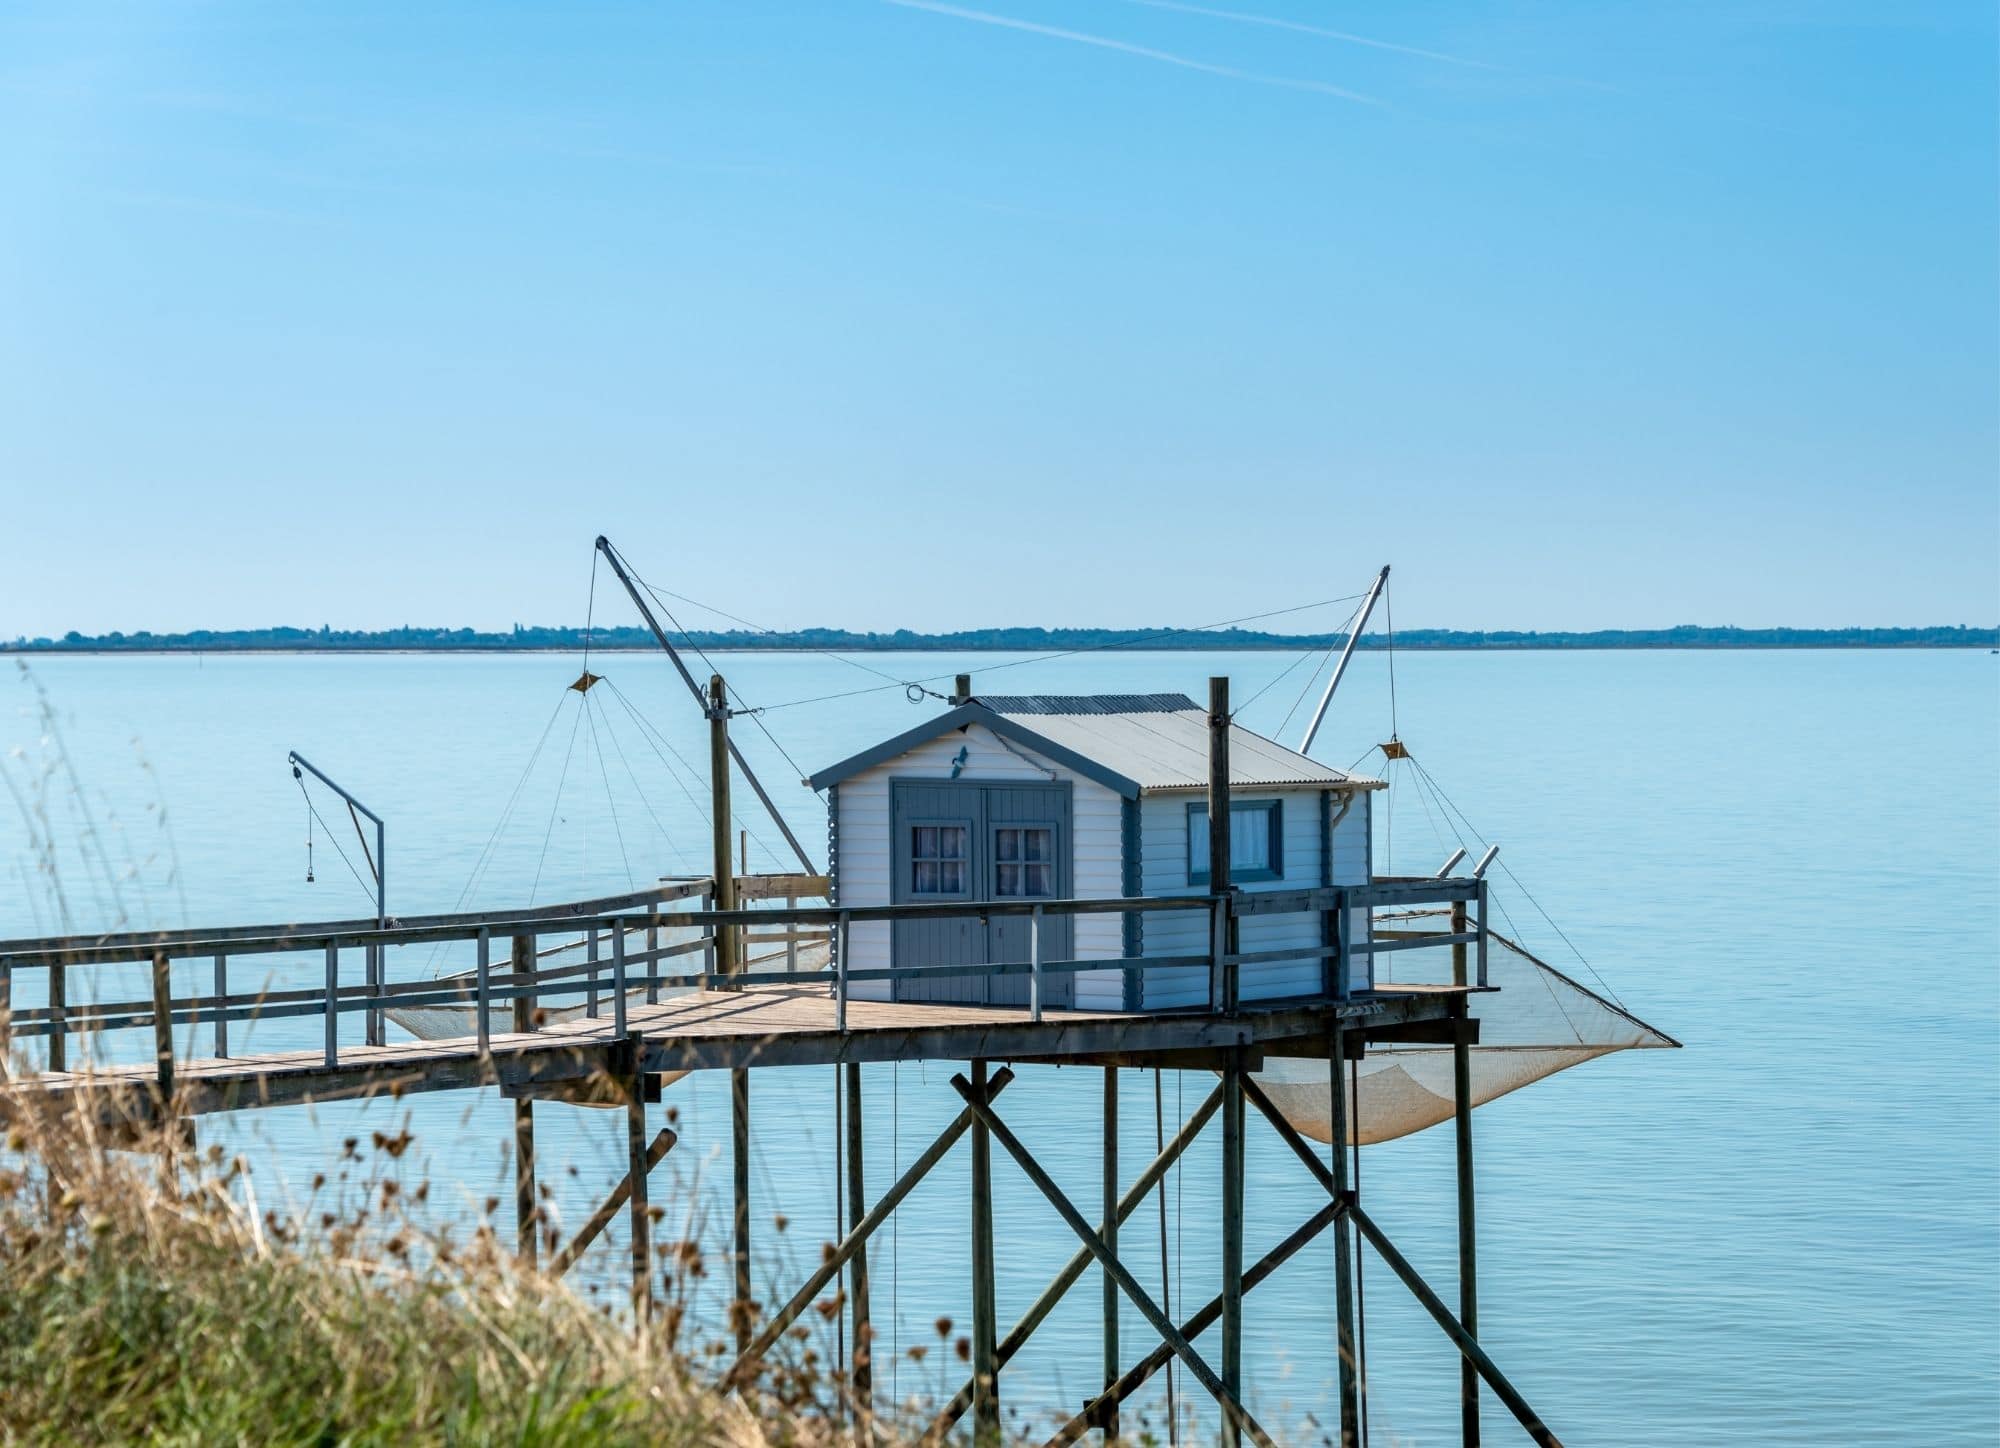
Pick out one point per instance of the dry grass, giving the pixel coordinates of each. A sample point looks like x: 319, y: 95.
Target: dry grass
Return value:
x: 145, y: 1294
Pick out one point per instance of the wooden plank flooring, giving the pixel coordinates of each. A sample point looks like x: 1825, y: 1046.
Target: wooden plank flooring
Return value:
x: 763, y: 1026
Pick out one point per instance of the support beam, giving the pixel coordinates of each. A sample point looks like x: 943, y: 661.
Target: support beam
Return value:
x: 1109, y: 1228
x: 527, y: 1211
x: 728, y: 938
x: 743, y: 1308
x: 774, y: 1327
x: 1468, y: 1255
x: 636, y: 1173
x: 163, y: 1030
x: 985, y: 1367
x: 1232, y: 1243
x: 1032, y: 1169
x: 1142, y: 1372
x: 1078, y: 1264
x: 1467, y: 1344
x: 1343, y: 1264
x: 663, y: 1142
x: 862, y: 1359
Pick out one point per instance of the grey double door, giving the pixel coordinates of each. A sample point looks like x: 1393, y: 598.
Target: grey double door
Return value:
x: 955, y: 841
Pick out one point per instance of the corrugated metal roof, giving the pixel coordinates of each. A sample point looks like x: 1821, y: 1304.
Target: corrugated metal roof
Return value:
x: 1160, y: 741
x: 1086, y: 703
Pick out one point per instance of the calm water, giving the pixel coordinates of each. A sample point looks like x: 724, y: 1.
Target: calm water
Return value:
x: 1791, y: 861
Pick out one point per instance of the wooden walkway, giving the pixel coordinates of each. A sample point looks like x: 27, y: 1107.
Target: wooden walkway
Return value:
x: 786, y: 1025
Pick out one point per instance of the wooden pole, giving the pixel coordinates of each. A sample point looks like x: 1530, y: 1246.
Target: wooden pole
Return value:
x: 163, y: 1028
x: 1468, y: 1255
x: 1232, y: 1240
x: 1467, y: 1344
x: 1077, y: 1265
x: 1343, y: 1263
x: 985, y: 1371
x: 744, y: 1309
x: 857, y: 1265
x: 636, y: 1173
x: 774, y: 1328
x: 1110, y: 1233
x: 1141, y: 1299
x: 1142, y: 1371
x: 727, y: 961
x: 58, y: 1018
x: 527, y: 1213
x: 1223, y: 991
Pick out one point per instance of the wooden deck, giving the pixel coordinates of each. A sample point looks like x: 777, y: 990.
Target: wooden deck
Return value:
x: 758, y: 1026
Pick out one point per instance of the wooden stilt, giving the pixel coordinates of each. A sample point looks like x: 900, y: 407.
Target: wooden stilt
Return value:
x: 575, y: 1247
x: 1343, y: 1263
x: 727, y: 958
x: 1110, y: 1233
x: 58, y: 1017
x: 636, y: 1174
x: 775, y: 1327
x: 1080, y: 1263
x: 1468, y: 1257
x: 1142, y: 1372
x: 1143, y: 1300
x: 743, y: 1309
x: 527, y: 1211
x: 1232, y: 1242
x: 163, y: 1030
x: 985, y: 1369
x: 857, y: 1265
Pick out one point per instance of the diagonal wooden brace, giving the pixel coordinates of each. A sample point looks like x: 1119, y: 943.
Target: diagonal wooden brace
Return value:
x: 601, y: 1218
x: 1149, y: 1309
x: 853, y: 1241
x: 1465, y: 1341
x: 1065, y: 1279
x: 1094, y: 1411
x: 1289, y: 1134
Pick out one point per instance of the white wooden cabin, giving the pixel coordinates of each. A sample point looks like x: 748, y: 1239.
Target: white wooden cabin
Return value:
x: 1085, y: 797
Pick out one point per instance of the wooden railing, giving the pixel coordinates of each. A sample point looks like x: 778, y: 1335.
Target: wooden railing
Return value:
x: 613, y: 947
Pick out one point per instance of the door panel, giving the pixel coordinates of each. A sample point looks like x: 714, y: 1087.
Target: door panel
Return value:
x: 1027, y: 850
x: 935, y: 853
x: 950, y: 834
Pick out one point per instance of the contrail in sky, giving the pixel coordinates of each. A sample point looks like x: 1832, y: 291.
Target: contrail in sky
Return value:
x: 1323, y: 33
x: 1007, y: 22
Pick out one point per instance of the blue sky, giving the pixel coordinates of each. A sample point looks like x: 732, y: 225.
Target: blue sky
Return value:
x: 1016, y: 311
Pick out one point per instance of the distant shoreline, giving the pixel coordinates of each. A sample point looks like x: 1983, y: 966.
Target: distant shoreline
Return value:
x: 988, y: 641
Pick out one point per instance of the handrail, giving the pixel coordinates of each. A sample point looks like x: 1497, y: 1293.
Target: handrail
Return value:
x: 487, y: 986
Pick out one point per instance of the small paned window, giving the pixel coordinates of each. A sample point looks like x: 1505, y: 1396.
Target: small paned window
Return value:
x: 940, y: 856
x: 1024, y: 862
x: 1256, y: 841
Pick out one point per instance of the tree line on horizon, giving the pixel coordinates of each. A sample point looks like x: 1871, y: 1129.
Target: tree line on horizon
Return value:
x: 522, y: 637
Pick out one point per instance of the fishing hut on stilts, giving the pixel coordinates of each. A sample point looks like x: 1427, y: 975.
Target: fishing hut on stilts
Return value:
x: 1091, y: 881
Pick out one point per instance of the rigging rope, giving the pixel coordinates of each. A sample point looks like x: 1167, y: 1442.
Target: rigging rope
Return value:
x: 561, y: 779
x: 617, y: 830
x: 1360, y: 1259
x: 331, y: 839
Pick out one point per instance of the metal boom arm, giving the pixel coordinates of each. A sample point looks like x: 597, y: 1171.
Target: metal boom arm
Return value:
x: 1346, y: 653
x: 618, y: 567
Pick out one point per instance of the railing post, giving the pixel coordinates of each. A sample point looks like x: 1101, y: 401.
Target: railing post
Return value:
x: 58, y: 984
x: 1218, y: 953
x: 791, y: 936
x: 618, y: 979
x: 1035, y: 963
x: 485, y: 990
x: 221, y: 1004
x: 6, y: 1010
x: 1482, y: 934
x: 377, y: 1031
x: 653, y: 956
x: 1343, y: 941
x: 590, y: 976
x: 333, y: 1003
x: 708, y: 940
x: 840, y: 973
x: 163, y: 1026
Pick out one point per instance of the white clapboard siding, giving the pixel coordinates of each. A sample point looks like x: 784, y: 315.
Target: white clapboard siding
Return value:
x: 1164, y: 871
x: 865, y: 849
